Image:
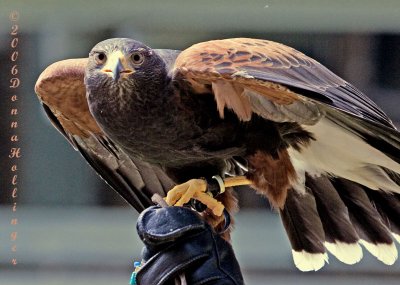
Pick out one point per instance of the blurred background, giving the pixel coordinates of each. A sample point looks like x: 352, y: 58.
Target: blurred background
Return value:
x: 72, y: 228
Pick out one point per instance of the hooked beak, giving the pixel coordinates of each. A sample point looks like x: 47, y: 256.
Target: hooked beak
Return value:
x: 117, y: 66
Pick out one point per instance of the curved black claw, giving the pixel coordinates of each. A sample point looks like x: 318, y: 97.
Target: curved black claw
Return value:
x: 197, y: 205
x: 200, y: 207
x: 227, y: 217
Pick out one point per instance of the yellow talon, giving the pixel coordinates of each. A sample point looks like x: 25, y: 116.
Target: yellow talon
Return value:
x: 182, y: 193
x: 214, y: 205
x: 197, y: 189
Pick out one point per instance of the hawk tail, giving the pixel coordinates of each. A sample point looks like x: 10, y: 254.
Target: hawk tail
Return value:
x: 338, y: 216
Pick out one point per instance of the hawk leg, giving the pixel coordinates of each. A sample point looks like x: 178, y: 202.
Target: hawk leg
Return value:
x: 197, y: 189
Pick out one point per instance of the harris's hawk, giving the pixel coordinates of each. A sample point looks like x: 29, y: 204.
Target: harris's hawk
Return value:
x: 251, y: 111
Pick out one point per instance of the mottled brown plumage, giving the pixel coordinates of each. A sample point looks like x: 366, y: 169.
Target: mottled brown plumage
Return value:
x: 272, y: 175
x: 62, y: 91
x: 67, y: 96
x: 301, y: 134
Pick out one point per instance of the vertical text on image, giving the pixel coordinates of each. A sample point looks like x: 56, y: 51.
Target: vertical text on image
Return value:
x: 15, y: 150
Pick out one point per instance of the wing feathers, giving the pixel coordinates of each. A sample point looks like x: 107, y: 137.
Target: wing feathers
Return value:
x: 62, y: 92
x: 61, y: 87
x: 257, y: 64
x: 239, y: 103
x: 343, y: 152
x: 110, y: 173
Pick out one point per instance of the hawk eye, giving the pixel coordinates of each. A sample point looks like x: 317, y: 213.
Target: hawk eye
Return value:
x: 137, y: 58
x: 100, y: 57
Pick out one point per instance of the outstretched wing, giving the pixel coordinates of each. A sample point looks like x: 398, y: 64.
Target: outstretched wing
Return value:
x: 273, y: 72
x: 62, y: 93
x: 356, y: 144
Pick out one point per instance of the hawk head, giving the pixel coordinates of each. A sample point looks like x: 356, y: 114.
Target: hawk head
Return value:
x: 122, y: 75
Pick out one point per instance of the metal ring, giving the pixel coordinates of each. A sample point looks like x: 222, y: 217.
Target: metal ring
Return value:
x: 220, y: 183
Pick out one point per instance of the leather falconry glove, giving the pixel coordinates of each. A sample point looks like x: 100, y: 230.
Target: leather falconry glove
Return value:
x: 177, y: 241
